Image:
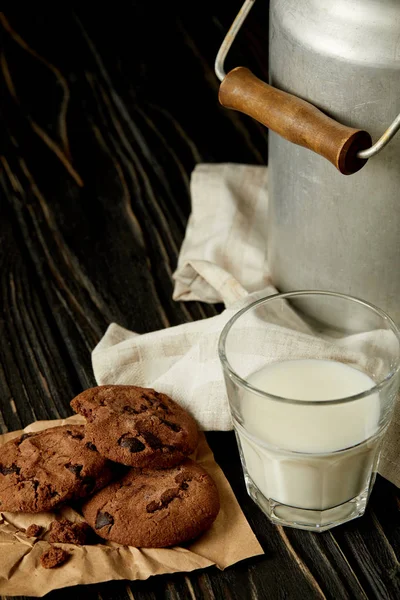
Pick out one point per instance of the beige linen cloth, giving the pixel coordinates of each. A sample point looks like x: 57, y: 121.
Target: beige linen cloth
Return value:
x: 222, y: 259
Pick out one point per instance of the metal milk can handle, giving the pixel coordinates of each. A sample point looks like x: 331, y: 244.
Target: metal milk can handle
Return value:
x: 291, y: 117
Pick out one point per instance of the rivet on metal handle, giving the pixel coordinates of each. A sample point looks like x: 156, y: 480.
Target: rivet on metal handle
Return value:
x: 220, y: 72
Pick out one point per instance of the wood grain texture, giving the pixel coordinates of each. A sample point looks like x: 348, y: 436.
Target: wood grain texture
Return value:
x: 98, y: 139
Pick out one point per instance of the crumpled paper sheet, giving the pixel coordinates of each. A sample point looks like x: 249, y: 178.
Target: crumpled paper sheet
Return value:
x: 229, y: 540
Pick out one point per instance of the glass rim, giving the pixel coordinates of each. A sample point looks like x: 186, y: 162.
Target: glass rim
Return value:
x: 245, y: 384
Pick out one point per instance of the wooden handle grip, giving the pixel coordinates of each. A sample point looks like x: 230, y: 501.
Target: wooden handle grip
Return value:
x: 294, y: 119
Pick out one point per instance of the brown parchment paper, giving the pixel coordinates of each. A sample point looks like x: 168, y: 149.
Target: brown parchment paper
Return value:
x: 229, y: 540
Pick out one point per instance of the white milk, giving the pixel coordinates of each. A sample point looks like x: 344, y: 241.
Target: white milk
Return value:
x: 321, y: 477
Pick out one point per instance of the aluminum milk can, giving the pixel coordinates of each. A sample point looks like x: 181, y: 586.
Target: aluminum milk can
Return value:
x: 332, y: 107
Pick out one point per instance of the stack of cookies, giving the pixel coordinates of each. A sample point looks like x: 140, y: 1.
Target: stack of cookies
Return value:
x: 129, y: 462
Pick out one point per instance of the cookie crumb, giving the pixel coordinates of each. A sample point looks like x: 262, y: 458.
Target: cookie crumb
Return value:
x: 54, y: 557
x: 67, y: 532
x: 33, y: 530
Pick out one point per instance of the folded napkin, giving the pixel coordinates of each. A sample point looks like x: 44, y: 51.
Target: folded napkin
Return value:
x: 222, y: 259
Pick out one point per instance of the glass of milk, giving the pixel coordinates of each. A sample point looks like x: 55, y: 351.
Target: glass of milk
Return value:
x: 312, y: 379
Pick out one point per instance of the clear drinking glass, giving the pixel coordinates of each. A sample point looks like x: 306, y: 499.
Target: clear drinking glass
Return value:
x: 312, y: 379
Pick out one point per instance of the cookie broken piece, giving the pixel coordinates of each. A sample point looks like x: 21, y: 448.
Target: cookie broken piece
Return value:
x: 40, y: 471
x: 54, y: 557
x: 67, y: 532
x: 155, y: 508
x: 33, y: 530
x: 136, y: 426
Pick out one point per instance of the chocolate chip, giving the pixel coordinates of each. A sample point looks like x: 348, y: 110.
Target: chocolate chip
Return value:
x: 147, y: 398
x: 91, y: 446
x: 75, y: 435
x: 75, y: 469
x: 152, y: 440
x: 89, y: 482
x: 10, y: 470
x: 132, y: 444
x: 103, y: 519
x: 184, y: 485
x: 153, y: 506
x: 183, y: 478
x: 164, y: 407
x: 169, y: 495
x: 171, y: 448
x: 165, y: 500
x: 171, y: 425
x: 130, y: 410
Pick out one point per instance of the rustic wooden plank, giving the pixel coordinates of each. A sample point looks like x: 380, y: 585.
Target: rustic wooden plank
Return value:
x: 36, y: 376
x: 369, y: 551
x: 328, y: 564
x: 385, y: 502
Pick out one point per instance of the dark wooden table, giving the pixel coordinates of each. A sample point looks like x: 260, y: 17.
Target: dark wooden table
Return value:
x: 104, y: 115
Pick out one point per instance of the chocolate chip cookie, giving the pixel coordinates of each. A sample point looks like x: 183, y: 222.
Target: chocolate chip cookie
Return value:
x: 39, y: 471
x: 136, y: 426
x: 155, y: 508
